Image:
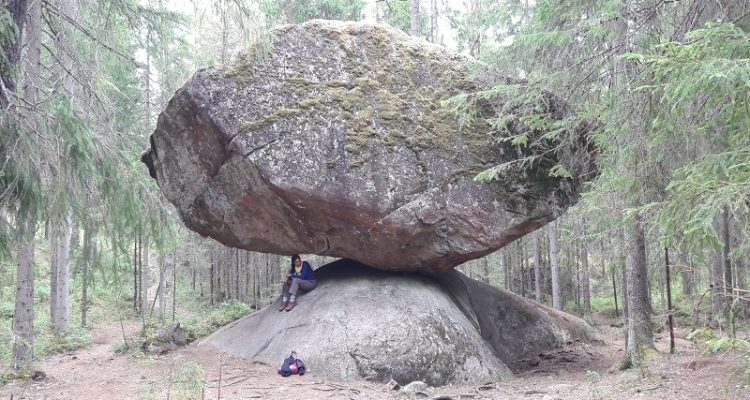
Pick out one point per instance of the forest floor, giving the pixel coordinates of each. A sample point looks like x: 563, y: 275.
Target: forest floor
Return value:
x: 579, y: 371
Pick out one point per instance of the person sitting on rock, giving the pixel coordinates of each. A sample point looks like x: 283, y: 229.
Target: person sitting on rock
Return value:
x: 300, y: 276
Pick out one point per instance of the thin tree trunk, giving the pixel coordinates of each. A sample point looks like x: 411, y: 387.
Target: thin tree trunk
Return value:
x: 585, y: 283
x: 53, y: 234
x: 145, y: 267
x: 434, y: 21
x: 135, y: 271
x: 23, y: 317
x: 686, y: 273
x: 60, y: 313
x: 486, y: 269
x: 414, y: 14
x: 669, y: 300
x: 555, y: 266
x: 717, y: 289
x: 537, y: 268
x: 726, y: 259
x: 11, y: 46
x: 614, y: 293
x: 160, y: 288
x: 90, y: 251
x: 640, y: 332
x: 174, y: 285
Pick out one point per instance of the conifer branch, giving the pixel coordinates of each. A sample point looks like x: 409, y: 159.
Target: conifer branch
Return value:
x: 51, y: 8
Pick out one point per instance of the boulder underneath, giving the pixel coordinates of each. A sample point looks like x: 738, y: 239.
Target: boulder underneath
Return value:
x: 363, y: 323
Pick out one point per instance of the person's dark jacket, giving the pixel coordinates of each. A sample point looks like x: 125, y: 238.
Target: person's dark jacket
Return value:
x: 292, y: 366
x: 306, y: 274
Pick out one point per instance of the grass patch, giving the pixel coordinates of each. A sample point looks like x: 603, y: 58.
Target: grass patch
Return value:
x: 51, y: 343
x: 205, y: 322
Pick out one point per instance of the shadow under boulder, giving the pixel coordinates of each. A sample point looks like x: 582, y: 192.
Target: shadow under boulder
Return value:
x: 363, y: 323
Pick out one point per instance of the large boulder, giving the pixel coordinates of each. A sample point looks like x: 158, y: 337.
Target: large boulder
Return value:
x: 335, y: 139
x: 379, y: 325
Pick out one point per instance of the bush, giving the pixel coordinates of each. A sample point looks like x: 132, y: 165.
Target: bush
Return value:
x: 603, y: 304
x: 52, y: 343
x: 205, y: 322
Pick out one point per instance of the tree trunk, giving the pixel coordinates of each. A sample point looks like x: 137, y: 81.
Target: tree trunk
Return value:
x: 11, y: 45
x: 161, y: 287
x: 726, y: 259
x: 90, y: 251
x: 144, y: 280
x: 23, y: 317
x: 585, y: 283
x: 614, y: 293
x: 60, y: 275
x: 434, y: 21
x: 414, y: 14
x: 53, y: 234
x: 686, y: 273
x: 640, y: 332
x: 174, y: 285
x: 537, y: 268
x: 717, y: 288
x: 670, y: 319
x: 554, y: 265
x: 135, y: 271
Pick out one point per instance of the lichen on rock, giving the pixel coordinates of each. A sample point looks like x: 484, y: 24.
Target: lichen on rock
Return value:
x: 339, y: 142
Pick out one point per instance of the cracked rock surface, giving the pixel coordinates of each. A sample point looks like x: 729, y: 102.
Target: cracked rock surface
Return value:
x: 335, y: 140
x: 362, y: 323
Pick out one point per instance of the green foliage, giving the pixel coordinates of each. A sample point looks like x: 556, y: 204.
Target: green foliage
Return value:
x: 722, y: 344
x: 77, y: 141
x: 51, y: 343
x: 185, y: 379
x: 298, y: 11
x: 703, y: 83
x: 602, y: 304
x: 8, y: 35
x: 205, y: 322
x: 701, y: 334
x: 398, y: 14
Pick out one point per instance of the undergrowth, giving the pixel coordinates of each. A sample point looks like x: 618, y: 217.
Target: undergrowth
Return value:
x: 204, y: 322
x: 723, y: 344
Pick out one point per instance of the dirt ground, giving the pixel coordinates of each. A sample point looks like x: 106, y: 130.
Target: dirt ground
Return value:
x: 579, y: 371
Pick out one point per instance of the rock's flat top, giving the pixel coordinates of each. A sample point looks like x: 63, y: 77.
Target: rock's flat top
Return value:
x: 335, y: 140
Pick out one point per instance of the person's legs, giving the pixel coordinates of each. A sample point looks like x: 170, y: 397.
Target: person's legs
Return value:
x: 294, y: 288
x: 296, y: 285
x: 284, y: 296
x: 307, y: 285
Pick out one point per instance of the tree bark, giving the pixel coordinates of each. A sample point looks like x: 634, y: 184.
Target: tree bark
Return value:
x: 640, y: 332
x: 717, y: 289
x: 537, y: 268
x: 670, y: 319
x: 414, y: 14
x: 12, y: 45
x: 554, y: 265
x: 60, y: 275
x: 686, y: 273
x: 585, y: 284
x: 434, y: 21
x: 90, y: 251
x: 144, y: 280
x: 160, y: 288
x: 136, y: 273
x: 23, y: 317
x: 726, y: 250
